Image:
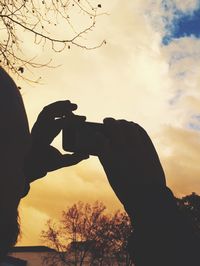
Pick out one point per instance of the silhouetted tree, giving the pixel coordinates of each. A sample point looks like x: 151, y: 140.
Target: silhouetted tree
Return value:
x: 190, y: 207
x: 39, y: 19
x: 86, y: 235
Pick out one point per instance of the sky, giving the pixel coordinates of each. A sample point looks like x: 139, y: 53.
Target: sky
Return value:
x: 147, y: 72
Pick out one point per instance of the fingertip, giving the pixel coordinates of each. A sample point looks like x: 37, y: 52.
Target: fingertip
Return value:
x: 81, y: 117
x: 73, y: 159
x: 108, y: 120
x: 74, y: 106
x: 84, y: 156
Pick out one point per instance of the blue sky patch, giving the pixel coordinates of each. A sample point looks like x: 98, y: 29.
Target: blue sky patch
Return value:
x: 182, y: 24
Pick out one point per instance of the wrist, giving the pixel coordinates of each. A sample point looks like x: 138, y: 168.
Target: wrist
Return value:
x: 34, y: 167
x: 150, y: 202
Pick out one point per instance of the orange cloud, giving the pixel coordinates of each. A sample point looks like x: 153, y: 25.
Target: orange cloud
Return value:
x: 179, y: 149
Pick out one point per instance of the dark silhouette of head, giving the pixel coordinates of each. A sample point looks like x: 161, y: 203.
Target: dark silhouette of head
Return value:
x: 9, y: 232
x: 14, y: 143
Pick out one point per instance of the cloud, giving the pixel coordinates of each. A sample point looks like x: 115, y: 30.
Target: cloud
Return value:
x: 179, y: 149
x: 51, y: 195
x: 133, y: 77
x: 32, y: 222
x: 186, y: 6
x: 185, y: 81
x: 64, y: 187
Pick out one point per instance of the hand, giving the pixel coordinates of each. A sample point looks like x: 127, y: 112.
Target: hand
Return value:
x: 43, y: 157
x: 49, y: 122
x: 129, y: 158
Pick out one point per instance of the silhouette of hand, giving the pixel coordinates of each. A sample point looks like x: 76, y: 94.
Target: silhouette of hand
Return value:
x: 50, y: 122
x: 128, y: 157
x: 43, y: 157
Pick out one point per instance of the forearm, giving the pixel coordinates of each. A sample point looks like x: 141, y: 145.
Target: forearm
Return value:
x: 34, y: 168
x: 162, y: 236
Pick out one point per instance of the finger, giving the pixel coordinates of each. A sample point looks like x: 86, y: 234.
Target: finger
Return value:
x: 75, y: 118
x: 72, y: 159
x: 109, y: 125
x: 44, y: 133
x: 108, y: 120
x: 122, y: 134
x: 113, y: 131
x: 57, y: 109
x: 128, y: 132
x: 53, y: 129
x: 80, y: 117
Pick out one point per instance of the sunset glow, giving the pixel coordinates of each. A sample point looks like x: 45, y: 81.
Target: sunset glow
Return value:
x: 148, y: 72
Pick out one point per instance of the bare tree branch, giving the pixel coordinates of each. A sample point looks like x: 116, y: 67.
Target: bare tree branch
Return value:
x: 86, y: 235
x: 43, y: 21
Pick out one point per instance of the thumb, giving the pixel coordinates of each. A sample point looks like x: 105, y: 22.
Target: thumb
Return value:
x: 72, y: 159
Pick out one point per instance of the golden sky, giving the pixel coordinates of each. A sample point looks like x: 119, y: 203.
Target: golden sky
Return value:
x: 133, y: 77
